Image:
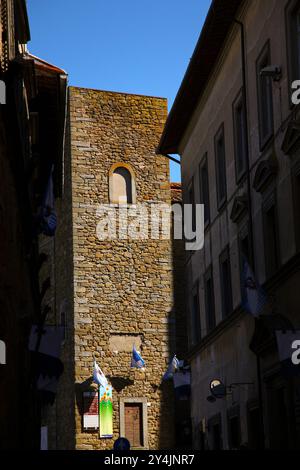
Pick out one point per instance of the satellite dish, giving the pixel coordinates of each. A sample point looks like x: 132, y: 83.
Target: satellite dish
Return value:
x: 217, y: 389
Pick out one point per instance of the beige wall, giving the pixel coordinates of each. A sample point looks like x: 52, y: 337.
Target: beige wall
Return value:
x: 229, y: 356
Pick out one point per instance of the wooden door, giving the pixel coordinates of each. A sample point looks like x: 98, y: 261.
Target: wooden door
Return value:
x: 134, y: 424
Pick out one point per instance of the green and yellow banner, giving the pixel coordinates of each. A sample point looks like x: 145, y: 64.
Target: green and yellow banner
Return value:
x: 105, y: 412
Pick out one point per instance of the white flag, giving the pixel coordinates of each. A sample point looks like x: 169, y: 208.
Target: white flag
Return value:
x: 173, y: 367
x: 98, y: 376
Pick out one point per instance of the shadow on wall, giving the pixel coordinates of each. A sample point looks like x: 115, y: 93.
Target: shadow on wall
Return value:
x: 64, y: 269
x: 178, y: 344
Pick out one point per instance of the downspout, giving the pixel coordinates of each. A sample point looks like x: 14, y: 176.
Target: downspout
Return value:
x: 249, y: 197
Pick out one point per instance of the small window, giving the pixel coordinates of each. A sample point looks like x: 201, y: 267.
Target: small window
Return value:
x: 121, y: 186
x: 234, y: 432
x: 191, y: 201
x: 240, y: 136
x: 204, y: 190
x: 245, y: 253
x: 244, y: 246
x: 293, y: 39
x: 209, y: 301
x: 265, y: 97
x: 195, y: 327
x: 226, y: 287
x: 215, y: 433
x: 221, y: 167
x: 271, y: 242
x: 254, y: 427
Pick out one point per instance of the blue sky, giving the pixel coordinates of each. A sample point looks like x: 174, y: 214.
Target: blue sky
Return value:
x: 133, y: 46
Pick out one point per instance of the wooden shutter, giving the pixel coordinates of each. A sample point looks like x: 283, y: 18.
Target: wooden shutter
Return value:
x: 134, y: 424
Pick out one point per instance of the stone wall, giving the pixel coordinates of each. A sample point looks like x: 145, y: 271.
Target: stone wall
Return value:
x: 122, y: 288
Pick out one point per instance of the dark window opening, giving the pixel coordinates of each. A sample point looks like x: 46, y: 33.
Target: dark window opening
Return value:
x: 265, y: 98
x: 204, y: 191
x: 221, y: 167
x: 254, y: 428
x: 245, y: 248
x: 217, y: 442
x: 215, y: 433
x: 271, y: 241
x: 234, y: 432
x: 191, y: 201
x: 279, y: 420
x: 195, y: 318
x: 240, y: 134
x: 209, y: 301
x: 226, y: 286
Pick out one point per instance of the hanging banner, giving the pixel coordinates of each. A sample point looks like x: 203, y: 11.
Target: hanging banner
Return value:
x: 105, y: 412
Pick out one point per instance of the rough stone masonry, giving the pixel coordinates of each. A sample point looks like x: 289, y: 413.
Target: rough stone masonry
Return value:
x: 121, y: 291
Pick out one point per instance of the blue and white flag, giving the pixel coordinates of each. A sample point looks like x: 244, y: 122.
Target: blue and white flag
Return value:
x: 98, y: 376
x: 254, y: 297
x: 48, y: 218
x: 173, y: 367
x: 137, y: 361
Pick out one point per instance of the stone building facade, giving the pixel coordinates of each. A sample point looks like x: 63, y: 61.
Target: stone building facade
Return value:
x: 240, y: 158
x: 114, y: 293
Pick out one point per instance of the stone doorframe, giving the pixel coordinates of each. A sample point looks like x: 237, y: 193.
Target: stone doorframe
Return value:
x: 143, y: 402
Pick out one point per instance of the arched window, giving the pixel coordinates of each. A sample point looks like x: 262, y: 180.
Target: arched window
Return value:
x: 121, y: 185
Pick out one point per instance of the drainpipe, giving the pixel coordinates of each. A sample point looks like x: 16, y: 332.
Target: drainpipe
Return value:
x: 249, y: 196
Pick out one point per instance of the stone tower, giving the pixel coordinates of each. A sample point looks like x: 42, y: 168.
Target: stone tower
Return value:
x: 112, y: 294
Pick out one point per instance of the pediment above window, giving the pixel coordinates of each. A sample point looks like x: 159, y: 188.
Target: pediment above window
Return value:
x: 239, y: 209
x: 265, y: 173
x: 292, y: 137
